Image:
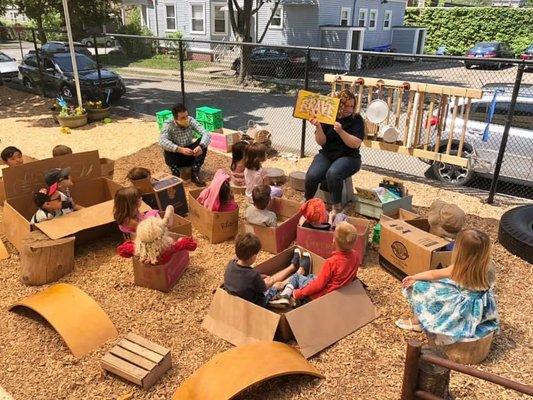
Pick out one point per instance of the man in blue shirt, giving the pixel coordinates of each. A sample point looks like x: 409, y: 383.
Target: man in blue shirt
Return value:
x: 181, y: 146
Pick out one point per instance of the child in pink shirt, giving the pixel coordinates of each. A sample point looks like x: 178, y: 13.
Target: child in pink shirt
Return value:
x: 217, y: 196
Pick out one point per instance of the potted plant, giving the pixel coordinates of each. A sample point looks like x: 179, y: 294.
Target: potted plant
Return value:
x: 55, y: 109
x: 96, y: 110
x: 71, y: 117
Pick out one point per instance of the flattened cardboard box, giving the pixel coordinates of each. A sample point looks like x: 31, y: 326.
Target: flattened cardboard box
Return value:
x: 321, y: 242
x: 367, y: 203
x: 315, y: 325
x: 90, y: 190
x: 217, y: 226
x: 165, y: 190
x: 276, y: 239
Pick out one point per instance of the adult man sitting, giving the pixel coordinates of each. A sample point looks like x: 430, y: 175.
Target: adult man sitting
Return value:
x: 181, y: 147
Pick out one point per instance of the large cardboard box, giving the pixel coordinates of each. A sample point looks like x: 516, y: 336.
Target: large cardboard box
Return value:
x: 276, y: 239
x: 223, y: 139
x: 165, y: 190
x: 26, y: 159
x: 108, y: 167
x: 315, y: 325
x: 217, y: 226
x: 406, y: 247
x: 321, y: 242
x: 90, y: 190
x: 368, y: 203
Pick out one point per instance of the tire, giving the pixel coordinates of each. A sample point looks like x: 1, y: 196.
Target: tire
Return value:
x: 516, y: 232
x: 88, y: 44
x: 26, y: 82
x: 452, y: 174
x: 279, y: 71
x: 66, y: 92
x: 108, y: 43
x: 468, y: 66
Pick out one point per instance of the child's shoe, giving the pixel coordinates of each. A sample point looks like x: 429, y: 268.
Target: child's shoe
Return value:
x: 282, y: 301
x: 296, y: 257
x: 305, y: 262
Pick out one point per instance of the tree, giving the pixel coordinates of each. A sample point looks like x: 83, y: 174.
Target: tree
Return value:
x: 241, y: 19
x: 36, y: 10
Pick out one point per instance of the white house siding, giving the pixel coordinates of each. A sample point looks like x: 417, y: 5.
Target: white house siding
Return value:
x: 300, y: 26
x: 334, y: 38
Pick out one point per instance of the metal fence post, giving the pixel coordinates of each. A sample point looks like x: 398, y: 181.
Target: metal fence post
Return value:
x: 182, y: 76
x: 505, y: 135
x: 38, y: 58
x: 306, y: 86
x: 98, y: 66
x: 20, y: 45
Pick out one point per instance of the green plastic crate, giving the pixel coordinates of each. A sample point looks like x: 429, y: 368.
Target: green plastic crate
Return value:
x: 208, y: 114
x: 162, y: 117
x: 210, y: 127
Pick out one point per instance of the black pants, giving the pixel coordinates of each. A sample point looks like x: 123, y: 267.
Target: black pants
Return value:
x: 175, y: 161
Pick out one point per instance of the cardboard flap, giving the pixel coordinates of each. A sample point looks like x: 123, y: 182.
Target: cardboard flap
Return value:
x: 322, y: 322
x: 28, y: 178
x: 407, y: 230
x: 238, y: 321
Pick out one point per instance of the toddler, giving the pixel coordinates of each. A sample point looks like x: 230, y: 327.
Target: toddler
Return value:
x: 12, y: 156
x: 237, y: 163
x: 217, y: 196
x: 314, y: 215
x: 49, y: 205
x: 61, y: 150
x: 446, y: 220
x: 62, y: 178
x: 137, y: 173
x: 254, y: 174
x: 257, y: 213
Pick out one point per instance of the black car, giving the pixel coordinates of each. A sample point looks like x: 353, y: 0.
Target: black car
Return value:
x: 488, y: 50
x: 63, y: 47
x: 274, y: 62
x: 58, y: 76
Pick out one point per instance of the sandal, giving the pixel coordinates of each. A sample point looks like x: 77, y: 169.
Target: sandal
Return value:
x: 408, y: 325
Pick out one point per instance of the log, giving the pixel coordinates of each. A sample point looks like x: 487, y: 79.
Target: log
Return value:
x: 43, y: 260
x: 467, y: 352
x: 433, y: 378
x: 297, y: 180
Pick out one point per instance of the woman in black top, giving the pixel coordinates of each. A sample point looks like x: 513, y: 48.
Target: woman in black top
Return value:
x: 339, y: 157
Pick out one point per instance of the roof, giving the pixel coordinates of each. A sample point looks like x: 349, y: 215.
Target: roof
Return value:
x: 299, y: 2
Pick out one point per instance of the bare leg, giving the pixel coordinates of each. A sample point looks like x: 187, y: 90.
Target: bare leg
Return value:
x: 284, y: 273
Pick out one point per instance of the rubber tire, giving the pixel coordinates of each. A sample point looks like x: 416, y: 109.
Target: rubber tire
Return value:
x: 88, y: 44
x: 468, y: 66
x: 434, y: 167
x: 26, y: 82
x: 516, y: 232
x: 108, y: 43
x: 279, y: 72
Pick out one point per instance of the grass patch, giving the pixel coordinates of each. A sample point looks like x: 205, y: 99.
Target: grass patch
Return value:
x: 159, y: 61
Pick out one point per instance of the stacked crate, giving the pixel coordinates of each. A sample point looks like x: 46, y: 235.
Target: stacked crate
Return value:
x: 210, y: 118
x: 162, y: 117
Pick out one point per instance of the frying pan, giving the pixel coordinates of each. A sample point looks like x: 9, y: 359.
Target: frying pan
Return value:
x: 378, y: 110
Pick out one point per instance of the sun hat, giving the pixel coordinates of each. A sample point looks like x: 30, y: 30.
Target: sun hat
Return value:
x: 314, y: 211
x: 445, y: 219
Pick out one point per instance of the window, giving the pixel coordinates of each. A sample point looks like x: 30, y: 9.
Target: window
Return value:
x: 198, y: 18
x: 170, y: 17
x: 145, y: 21
x: 277, y: 19
x: 31, y: 61
x: 346, y: 13
x: 372, y: 20
x: 387, y: 20
x: 361, y: 20
x: 220, y: 19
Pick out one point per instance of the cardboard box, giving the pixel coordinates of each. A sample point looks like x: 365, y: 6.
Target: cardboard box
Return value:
x: 108, y: 167
x: 368, y: 203
x: 26, y: 159
x: 180, y: 225
x: 217, y: 226
x: 321, y: 242
x: 276, y: 239
x: 165, y: 190
x: 162, y: 277
x: 90, y: 190
x: 406, y: 247
x: 315, y: 325
x: 223, y: 139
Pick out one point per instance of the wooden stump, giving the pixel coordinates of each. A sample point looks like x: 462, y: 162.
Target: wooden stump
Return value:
x: 468, y: 352
x: 276, y: 176
x: 297, y: 180
x: 433, y: 378
x: 43, y: 260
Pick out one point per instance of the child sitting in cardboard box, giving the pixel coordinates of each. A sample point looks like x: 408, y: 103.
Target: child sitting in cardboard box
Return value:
x: 338, y: 270
x: 49, y: 204
x: 254, y: 173
x: 12, y: 156
x: 61, y: 150
x: 217, y: 196
x: 446, y: 220
x: 62, y: 178
x: 257, y: 213
x: 237, y: 163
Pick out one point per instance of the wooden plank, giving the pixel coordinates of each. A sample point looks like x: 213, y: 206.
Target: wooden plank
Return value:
x: 360, y: 98
x: 442, y: 116
x: 135, y: 348
x: 133, y: 358
x: 466, y: 115
x: 452, y: 124
x: 390, y: 93
x: 157, y: 372
x: 147, y: 343
x: 123, y: 369
x: 399, y: 100
x: 419, y: 118
x: 408, y: 116
x: 428, y: 120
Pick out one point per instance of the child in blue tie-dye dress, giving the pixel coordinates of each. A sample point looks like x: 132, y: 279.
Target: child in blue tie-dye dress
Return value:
x: 455, y: 304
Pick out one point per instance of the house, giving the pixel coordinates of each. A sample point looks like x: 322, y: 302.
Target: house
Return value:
x: 14, y: 16
x: 340, y: 24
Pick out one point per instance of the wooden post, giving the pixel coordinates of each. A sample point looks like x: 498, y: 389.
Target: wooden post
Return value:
x: 433, y: 378
x: 410, y: 372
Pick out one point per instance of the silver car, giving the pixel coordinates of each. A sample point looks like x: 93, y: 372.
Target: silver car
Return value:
x: 9, y: 67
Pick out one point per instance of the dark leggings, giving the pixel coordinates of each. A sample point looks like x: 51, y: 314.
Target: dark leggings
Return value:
x: 175, y: 161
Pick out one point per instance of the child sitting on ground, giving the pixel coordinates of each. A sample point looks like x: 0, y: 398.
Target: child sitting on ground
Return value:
x: 338, y: 270
x: 153, y: 243
x: 217, y: 196
x: 446, y: 220
x: 237, y: 163
x: 254, y: 174
x: 12, y: 156
x: 257, y: 213
x: 314, y: 215
x: 137, y: 173
x: 241, y: 279
x: 48, y: 202
x: 455, y: 304
x: 61, y: 150
x: 62, y: 178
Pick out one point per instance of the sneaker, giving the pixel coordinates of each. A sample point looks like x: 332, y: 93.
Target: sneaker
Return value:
x: 408, y: 325
x: 282, y: 301
x: 305, y: 262
x: 197, y: 179
x: 296, y: 257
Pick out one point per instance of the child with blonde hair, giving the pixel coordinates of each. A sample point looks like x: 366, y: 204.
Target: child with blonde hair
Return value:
x: 455, y: 304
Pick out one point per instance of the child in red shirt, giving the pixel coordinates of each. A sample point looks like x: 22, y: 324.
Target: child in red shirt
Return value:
x: 339, y: 270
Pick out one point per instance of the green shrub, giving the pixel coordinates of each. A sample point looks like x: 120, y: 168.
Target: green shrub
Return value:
x: 136, y: 47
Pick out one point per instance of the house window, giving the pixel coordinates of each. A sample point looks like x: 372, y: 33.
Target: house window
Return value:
x: 198, y: 18
x: 145, y: 21
x: 171, y: 17
x: 361, y: 20
x: 373, y: 20
x: 345, y: 16
x: 220, y: 19
x: 277, y: 19
x: 387, y: 20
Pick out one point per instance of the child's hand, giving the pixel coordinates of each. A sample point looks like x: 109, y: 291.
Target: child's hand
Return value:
x: 408, y: 281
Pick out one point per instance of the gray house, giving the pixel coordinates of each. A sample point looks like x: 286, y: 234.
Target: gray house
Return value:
x: 341, y: 24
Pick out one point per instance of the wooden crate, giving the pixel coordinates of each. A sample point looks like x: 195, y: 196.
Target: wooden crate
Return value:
x: 137, y: 360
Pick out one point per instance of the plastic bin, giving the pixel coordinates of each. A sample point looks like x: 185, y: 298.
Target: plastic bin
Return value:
x: 162, y: 117
x: 209, y: 115
x: 210, y: 127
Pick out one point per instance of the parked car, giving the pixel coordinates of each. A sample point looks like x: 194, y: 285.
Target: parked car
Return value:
x: 488, y: 50
x: 63, y: 47
x: 9, y: 67
x: 527, y: 54
x: 274, y: 62
x: 518, y: 161
x: 108, y: 41
x: 58, y: 76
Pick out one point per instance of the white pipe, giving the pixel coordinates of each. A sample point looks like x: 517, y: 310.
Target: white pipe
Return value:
x: 72, y: 53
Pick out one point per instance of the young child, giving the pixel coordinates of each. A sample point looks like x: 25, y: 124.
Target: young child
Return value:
x: 237, y: 163
x: 338, y: 270
x: 126, y: 210
x: 48, y: 202
x: 257, y: 213
x: 446, y: 220
x: 314, y: 215
x: 137, y: 173
x: 62, y: 178
x: 61, y: 150
x: 254, y: 174
x: 12, y: 156
x: 456, y: 303
x: 241, y: 279
x: 153, y: 243
x: 217, y: 196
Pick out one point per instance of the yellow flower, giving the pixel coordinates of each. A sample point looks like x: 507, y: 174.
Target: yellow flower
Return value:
x: 65, y: 130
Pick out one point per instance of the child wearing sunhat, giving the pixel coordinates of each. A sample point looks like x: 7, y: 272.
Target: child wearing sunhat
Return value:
x: 61, y: 177
x: 446, y: 220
